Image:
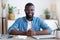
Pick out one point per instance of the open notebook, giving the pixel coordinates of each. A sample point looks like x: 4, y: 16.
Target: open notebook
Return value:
x: 43, y: 36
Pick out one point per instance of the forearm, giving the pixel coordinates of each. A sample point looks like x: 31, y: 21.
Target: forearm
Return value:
x: 15, y: 32
x: 44, y: 32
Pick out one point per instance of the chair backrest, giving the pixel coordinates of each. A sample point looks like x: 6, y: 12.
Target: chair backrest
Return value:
x: 10, y: 22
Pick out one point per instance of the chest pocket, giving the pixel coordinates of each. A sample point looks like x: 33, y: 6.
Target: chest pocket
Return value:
x: 23, y: 27
x: 36, y: 27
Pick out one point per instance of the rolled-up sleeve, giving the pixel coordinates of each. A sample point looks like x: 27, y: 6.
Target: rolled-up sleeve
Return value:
x: 14, y: 26
x: 44, y: 26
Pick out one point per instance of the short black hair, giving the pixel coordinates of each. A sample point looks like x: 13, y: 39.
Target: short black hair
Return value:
x: 29, y: 4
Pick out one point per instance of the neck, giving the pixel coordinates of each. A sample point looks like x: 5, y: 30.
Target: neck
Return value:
x: 30, y: 19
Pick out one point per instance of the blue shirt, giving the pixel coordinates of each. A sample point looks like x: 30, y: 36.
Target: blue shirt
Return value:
x: 21, y: 24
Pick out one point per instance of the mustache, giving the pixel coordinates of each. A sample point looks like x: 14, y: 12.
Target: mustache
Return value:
x: 29, y: 16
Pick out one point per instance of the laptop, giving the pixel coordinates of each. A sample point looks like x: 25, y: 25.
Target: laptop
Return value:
x: 43, y: 36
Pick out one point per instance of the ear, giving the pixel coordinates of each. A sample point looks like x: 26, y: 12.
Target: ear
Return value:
x: 24, y: 9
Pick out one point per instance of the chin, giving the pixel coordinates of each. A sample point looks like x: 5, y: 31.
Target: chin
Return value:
x: 31, y: 17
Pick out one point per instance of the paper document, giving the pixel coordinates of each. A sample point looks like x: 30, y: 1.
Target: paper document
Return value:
x: 43, y: 36
x: 21, y: 37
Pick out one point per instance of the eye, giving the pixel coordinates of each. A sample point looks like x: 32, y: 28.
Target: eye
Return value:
x: 32, y: 9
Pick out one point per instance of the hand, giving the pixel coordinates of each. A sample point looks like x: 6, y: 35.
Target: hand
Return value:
x: 31, y: 32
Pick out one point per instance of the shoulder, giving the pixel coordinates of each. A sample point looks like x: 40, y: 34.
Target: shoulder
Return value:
x: 38, y: 18
x: 20, y: 19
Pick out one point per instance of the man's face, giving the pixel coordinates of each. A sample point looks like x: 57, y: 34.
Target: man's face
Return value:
x: 29, y: 10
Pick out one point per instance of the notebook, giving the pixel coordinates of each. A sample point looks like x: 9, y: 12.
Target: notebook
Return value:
x: 43, y: 36
x: 21, y: 37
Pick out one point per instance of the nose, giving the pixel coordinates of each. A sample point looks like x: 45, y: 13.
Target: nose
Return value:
x: 29, y: 12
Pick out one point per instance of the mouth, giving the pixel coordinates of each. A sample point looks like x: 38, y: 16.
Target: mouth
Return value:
x: 30, y: 14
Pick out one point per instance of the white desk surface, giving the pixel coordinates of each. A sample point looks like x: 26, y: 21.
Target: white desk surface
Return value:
x: 29, y: 38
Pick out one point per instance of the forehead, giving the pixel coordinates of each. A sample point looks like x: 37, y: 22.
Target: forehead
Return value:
x: 29, y: 7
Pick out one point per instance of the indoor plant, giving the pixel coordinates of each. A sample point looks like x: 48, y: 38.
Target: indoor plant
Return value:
x: 46, y: 12
x: 58, y: 31
x: 11, y: 15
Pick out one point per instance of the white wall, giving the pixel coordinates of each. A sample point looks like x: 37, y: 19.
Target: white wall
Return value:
x: 40, y: 5
x: 0, y: 9
x: 58, y: 10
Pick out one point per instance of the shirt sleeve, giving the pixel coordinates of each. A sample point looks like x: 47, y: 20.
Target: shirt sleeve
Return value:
x: 14, y: 26
x: 44, y: 26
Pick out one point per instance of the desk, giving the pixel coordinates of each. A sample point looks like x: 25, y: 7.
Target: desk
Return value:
x: 29, y: 38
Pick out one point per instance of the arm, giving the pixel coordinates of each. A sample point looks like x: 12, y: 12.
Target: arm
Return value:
x: 46, y: 29
x: 32, y: 32
x: 15, y: 32
x: 14, y: 29
x: 44, y: 32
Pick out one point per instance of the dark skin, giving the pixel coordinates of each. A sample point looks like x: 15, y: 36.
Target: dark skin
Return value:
x: 29, y: 10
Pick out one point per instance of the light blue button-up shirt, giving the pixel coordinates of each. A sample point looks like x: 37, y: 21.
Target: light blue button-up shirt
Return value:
x: 21, y: 24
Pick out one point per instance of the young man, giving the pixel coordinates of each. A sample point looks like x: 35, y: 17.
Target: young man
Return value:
x: 29, y: 25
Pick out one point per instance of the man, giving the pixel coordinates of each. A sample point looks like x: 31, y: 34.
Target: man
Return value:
x: 29, y: 25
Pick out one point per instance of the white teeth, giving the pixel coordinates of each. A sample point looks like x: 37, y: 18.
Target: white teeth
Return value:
x: 30, y: 14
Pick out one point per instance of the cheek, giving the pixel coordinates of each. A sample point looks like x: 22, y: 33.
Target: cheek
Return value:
x: 33, y: 13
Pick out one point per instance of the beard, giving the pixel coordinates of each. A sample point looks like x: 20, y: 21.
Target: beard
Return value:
x: 29, y: 16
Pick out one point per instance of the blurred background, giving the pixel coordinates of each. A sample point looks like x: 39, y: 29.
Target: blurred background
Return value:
x: 10, y: 10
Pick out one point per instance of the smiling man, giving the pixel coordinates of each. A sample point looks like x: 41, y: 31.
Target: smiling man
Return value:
x: 29, y: 25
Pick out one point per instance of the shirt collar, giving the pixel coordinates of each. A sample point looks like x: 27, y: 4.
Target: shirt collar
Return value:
x: 26, y: 19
